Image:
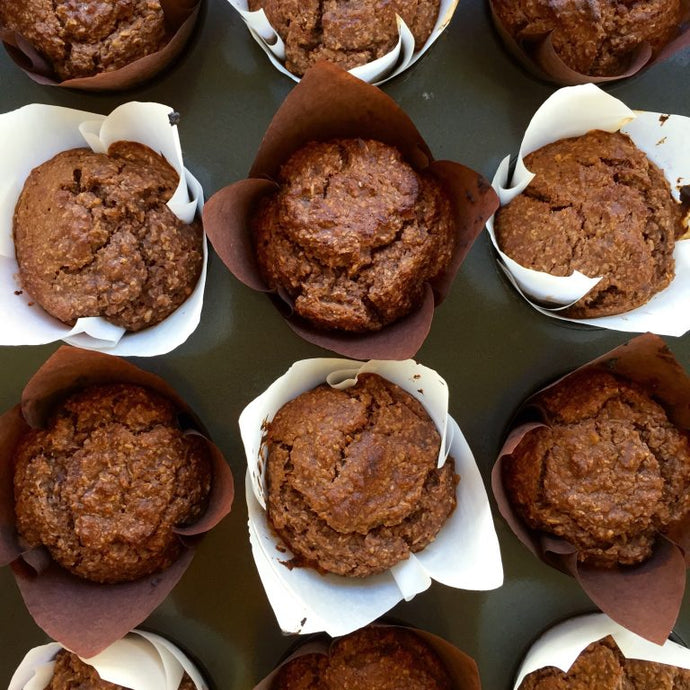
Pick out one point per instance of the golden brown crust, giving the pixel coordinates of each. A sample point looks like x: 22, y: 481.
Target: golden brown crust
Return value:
x: 353, y: 234
x: 609, y: 472
x: 353, y: 486
x: 106, y: 482
x: 597, y: 205
x: 94, y: 237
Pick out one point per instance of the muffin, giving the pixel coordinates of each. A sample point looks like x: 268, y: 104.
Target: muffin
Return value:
x: 608, y: 473
x: 71, y: 673
x: 353, y: 485
x: 353, y: 234
x: 602, y: 666
x: 596, y: 205
x: 94, y: 237
x: 346, y: 33
x: 385, y: 658
x: 83, y: 39
x: 597, y: 37
x: 106, y: 482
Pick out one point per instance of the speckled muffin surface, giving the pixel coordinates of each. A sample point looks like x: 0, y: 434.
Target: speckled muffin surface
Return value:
x: 352, y: 482
x: 346, y: 33
x: 608, y: 474
x: 105, y: 483
x: 597, y: 205
x: 602, y: 666
x: 81, y: 39
x: 353, y: 234
x: 71, y: 673
x: 375, y: 657
x: 593, y: 37
x: 94, y: 237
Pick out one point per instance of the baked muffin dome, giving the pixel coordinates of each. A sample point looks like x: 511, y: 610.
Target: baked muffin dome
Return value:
x: 346, y: 33
x: 384, y: 658
x: 352, y: 479
x: 81, y: 39
x: 105, y: 483
x: 353, y: 234
x: 608, y: 473
x: 593, y: 37
x: 597, y: 205
x: 94, y: 237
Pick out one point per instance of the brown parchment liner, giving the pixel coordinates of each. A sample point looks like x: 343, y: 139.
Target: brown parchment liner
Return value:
x: 538, y: 56
x: 328, y: 103
x: 645, y: 598
x: 180, y: 18
x: 81, y: 615
x: 461, y: 667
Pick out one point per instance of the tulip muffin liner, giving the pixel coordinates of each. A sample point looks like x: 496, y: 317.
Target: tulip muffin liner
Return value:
x: 644, y: 598
x: 461, y: 667
x: 180, y: 18
x: 562, y: 644
x: 139, y: 661
x: 665, y: 139
x: 378, y: 71
x: 465, y: 553
x: 538, y: 57
x: 329, y: 103
x: 34, y: 134
x: 87, y: 616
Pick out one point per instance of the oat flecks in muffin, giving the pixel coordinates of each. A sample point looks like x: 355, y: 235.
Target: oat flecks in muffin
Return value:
x: 353, y: 486
x: 353, y: 234
x: 375, y: 657
x: 594, y: 37
x: 609, y: 472
x: 105, y: 483
x: 601, y: 666
x: 597, y: 205
x: 94, y: 237
x: 81, y: 39
x: 346, y: 33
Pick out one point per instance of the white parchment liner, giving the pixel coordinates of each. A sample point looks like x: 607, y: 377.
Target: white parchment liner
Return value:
x: 561, y: 645
x: 465, y: 553
x: 573, y: 111
x: 376, y: 72
x: 140, y: 661
x: 32, y: 135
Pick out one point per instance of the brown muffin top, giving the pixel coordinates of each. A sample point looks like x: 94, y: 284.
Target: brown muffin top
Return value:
x: 593, y: 37
x: 71, y: 673
x: 597, y: 205
x: 353, y: 486
x: 609, y: 472
x: 94, y: 237
x: 81, y: 39
x: 602, y: 666
x: 106, y: 482
x: 353, y: 234
x: 375, y: 657
x: 346, y: 33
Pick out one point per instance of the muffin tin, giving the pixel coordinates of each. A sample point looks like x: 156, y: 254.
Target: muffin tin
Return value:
x: 470, y: 102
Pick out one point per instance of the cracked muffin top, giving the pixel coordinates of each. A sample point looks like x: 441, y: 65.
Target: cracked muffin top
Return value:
x: 353, y: 234
x: 601, y: 665
x: 352, y: 481
x: 80, y: 39
x: 384, y: 658
x: 596, y: 205
x: 593, y: 37
x: 104, y: 484
x: 71, y: 673
x: 346, y: 33
x: 608, y: 473
x: 94, y: 237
